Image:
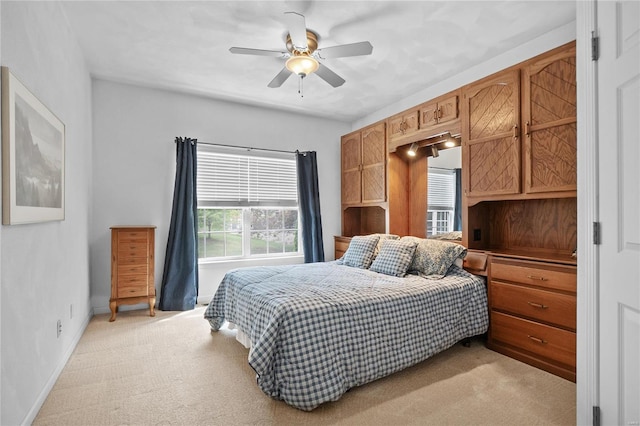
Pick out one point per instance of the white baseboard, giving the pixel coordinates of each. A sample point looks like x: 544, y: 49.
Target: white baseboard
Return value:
x: 33, y: 412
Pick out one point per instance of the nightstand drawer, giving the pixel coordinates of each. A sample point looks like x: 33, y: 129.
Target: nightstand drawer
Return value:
x: 538, y: 274
x: 341, y: 244
x: 543, y: 305
x: 543, y: 340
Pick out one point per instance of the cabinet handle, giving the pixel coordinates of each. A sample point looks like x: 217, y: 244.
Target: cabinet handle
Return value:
x: 526, y: 128
x: 515, y: 131
x: 435, y: 115
x: 537, y: 339
x: 538, y: 305
x: 439, y: 112
x: 533, y: 277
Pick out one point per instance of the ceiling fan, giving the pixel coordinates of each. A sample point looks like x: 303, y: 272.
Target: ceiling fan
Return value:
x: 303, y: 55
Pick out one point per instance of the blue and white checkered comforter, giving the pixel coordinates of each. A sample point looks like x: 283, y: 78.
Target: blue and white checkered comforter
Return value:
x: 319, y: 329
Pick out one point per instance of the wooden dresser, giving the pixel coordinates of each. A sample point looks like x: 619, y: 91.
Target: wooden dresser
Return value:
x: 132, y: 267
x: 533, y: 313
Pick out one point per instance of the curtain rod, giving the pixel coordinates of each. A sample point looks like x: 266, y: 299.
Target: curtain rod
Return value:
x: 248, y: 148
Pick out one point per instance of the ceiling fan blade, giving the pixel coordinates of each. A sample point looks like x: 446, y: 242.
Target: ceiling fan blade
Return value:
x: 259, y: 52
x: 343, y: 50
x: 297, y: 30
x: 282, y: 76
x: 329, y: 76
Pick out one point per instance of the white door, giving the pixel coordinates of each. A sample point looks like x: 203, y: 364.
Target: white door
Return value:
x: 619, y: 207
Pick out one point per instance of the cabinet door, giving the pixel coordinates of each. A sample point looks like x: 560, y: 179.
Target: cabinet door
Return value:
x: 428, y: 115
x: 374, y: 155
x: 403, y: 124
x: 550, y: 124
x: 351, y: 175
x: 491, y: 126
x: 448, y: 109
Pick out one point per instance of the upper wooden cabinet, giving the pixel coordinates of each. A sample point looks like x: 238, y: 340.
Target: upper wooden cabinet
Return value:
x: 549, y: 114
x: 438, y: 112
x: 428, y: 120
x: 364, y: 155
x: 491, y: 135
x: 519, y: 130
x: 403, y: 124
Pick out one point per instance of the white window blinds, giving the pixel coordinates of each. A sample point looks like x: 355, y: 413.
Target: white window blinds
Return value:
x: 227, y: 180
x: 441, y: 189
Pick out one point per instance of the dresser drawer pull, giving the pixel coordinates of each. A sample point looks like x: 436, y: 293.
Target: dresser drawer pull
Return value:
x: 536, y: 339
x: 538, y: 305
x: 533, y: 277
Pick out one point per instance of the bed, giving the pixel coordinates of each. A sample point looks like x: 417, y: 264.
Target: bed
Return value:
x: 317, y: 330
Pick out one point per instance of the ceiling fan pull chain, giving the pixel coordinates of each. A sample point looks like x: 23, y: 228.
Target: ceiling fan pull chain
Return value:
x: 300, y: 87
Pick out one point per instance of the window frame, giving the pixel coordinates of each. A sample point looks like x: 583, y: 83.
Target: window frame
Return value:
x: 246, y: 206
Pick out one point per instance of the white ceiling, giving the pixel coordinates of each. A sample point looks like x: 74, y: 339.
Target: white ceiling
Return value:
x: 184, y: 46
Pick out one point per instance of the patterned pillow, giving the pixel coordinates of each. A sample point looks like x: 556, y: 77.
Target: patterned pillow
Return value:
x: 394, y: 258
x: 433, y: 258
x: 361, y: 251
x: 385, y: 237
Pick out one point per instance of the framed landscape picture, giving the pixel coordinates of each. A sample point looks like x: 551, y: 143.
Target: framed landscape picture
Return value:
x: 33, y: 142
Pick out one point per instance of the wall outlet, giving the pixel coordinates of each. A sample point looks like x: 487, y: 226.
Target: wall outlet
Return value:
x: 477, y: 235
x: 59, y: 328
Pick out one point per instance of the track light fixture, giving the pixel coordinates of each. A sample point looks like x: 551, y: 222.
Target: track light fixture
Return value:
x: 413, y: 149
x: 434, y: 151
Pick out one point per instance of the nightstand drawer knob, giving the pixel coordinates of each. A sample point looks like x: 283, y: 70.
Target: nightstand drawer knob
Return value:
x: 538, y: 305
x: 533, y: 277
x: 536, y: 339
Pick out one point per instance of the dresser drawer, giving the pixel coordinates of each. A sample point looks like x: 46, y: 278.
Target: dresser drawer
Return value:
x: 132, y: 280
x: 138, y: 268
x: 133, y: 236
x: 132, y: 249
x: 555, y: 277
x: 132, y: 291
x: 543, y: 305
x: 543, y: 340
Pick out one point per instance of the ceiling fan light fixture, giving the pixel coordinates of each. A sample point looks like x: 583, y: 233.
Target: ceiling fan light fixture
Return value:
x: 302, y: 65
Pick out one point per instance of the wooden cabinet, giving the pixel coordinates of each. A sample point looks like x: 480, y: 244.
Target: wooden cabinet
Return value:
x: 403, y: 124
x: 549, y: 116
x: 533, y: 313
x: 491, y: 135
x: 438, y: 112
x: 519, y: 130
x: 364, y: 155
x: 132, y: 267
x: 340, y: 244
x: 426, y: 122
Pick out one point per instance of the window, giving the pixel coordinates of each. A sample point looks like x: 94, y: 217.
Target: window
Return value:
x: 247, y: 204
x: 441, y: 190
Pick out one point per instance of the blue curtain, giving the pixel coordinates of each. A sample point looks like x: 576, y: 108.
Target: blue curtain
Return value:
x: 309, y: 204
x: 457, y: 209
x: 180, y: 278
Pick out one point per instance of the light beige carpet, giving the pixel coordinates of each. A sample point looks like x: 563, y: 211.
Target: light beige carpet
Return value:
x: 171, y: 370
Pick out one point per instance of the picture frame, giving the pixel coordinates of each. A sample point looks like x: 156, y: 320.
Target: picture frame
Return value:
x: 33, y: 157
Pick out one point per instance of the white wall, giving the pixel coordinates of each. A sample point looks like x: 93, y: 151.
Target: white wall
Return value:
x: 44, y: 268
x: 542, y: 44
x: 134, y: 165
